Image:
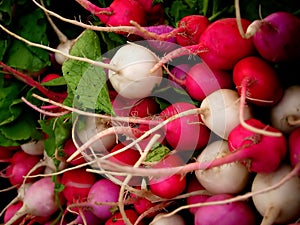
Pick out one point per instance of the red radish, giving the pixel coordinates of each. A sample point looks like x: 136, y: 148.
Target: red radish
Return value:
x: 119, y: 13
x: 117, y: 219
x: 234, y: 213
x: 220, y: 45
x: 202, y: 81
x: 6, y: 154
x: 231, y: 178
x: 221, y: 111
x: 185, y: 133
x: 39, y: 200
x: 140, y: 83
x: 21, y: 164
x: 49, y: 77
x: 170, y: 186
x: 193, y: 26
x: 77, y: 184
x: 69, y: 149
x: 276, y: 37
x: 128, y: 157
x: 194, y: 185
x: 103, y: 191
x: 257, y: 79
x: 285, y: 115
x: 142, y: 204
x: 294, y: 147
x: 175, y: 219
x: 280, y: 205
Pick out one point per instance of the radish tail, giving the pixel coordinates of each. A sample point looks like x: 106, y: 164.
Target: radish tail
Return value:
x: 19, y: 214
x: 270, y: 215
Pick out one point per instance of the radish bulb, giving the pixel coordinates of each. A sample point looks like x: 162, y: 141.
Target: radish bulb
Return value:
x: 221, y: 111
x: 231, y: 178
x: 281, y: 205
x: 285, y: 116
x: 132, y: 77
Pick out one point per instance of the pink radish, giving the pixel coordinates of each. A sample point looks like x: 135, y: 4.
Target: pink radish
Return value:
x: 220, y: 45
x: 276, y: 37
x: 202, y: 81
x: 231, y: 178
x: 294, y: 147
x: 258, y: 80
x: 280, y: 205
x: 186, y: 133
x: 39, y: 200
x: 234, y: 213
x: 120, y: 12
x: 285, y: 115
x: 193, y: 26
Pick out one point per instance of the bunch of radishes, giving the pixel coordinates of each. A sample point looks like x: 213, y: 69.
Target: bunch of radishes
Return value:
x: 224, y: 150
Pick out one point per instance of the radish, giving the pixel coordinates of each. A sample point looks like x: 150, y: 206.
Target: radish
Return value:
x: 102, y: 191
x: 234, y: 213
x: 33, y: 147
x: 276, y: 37
x: 87, y: 127
x: 193, y: 26
x: 280, y: 205
x: 257, y: 79
x: 175, y: 219
x: 221, y: 111
x: 229, y: 178
x: 39, y: 200
x: 142, y: 204
x: 120, y: 12
x: 68, y: 149
x: 294, y: 147
x: 179, y: 73
x: 202, y: 81
x: 285, y: 115
x: 117, y: 219
x: 140, y: 83
x: 77, y: 184
x: 185, y: 133
x: 220, y: 45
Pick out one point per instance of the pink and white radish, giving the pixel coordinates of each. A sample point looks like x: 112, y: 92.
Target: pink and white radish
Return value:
x: 231, y: 178
x: 33, y: 147
x: 280, y: 205
x: 234, y: 213
x: 285, y: 116
x: 221, y: 111
x: 39, y: 200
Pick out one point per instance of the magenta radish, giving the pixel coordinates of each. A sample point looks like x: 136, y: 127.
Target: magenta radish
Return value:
x: 220, y: 45
x: 179, y: 73
x: 294, y: 147
x: 119, y: 13
x: 103, y: 191
x: 258, y: 80
x: 280, y: 205
x: 185, y: 133
x: 194, y: 185
x: 276, y: 37
x: 221, y: 111
x: 10, y: 212
x: 140, y: 83
x: 234, y: 213
x: 169, y: 186
x: 85, y: 217
x: 285, y: 115
x: 231, y: 178
x: 202, y: 81
x: 77, y: 184
x: 39, y: 200
x: 175, y: 219
x: 193, y: 26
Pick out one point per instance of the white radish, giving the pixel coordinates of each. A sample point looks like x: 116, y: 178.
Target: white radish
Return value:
x: 222, y: 111
x: 133, y: 78
x: 285, y: 116
x: 33, y: 147
x: 161, y: 219
x: 230, y: 178
x: 280, y: 205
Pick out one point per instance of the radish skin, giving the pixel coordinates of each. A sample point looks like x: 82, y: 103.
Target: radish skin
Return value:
x: 281, y: 205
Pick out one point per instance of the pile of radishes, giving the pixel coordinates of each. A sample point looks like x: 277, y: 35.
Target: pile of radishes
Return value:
x: 203, y: 131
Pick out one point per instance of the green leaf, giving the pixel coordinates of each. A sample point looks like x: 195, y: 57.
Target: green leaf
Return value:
x: 3, y: 48
x: 5, y: 11
x: 87, y: 83
x: 21, y: 56
x: 157, y: 153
